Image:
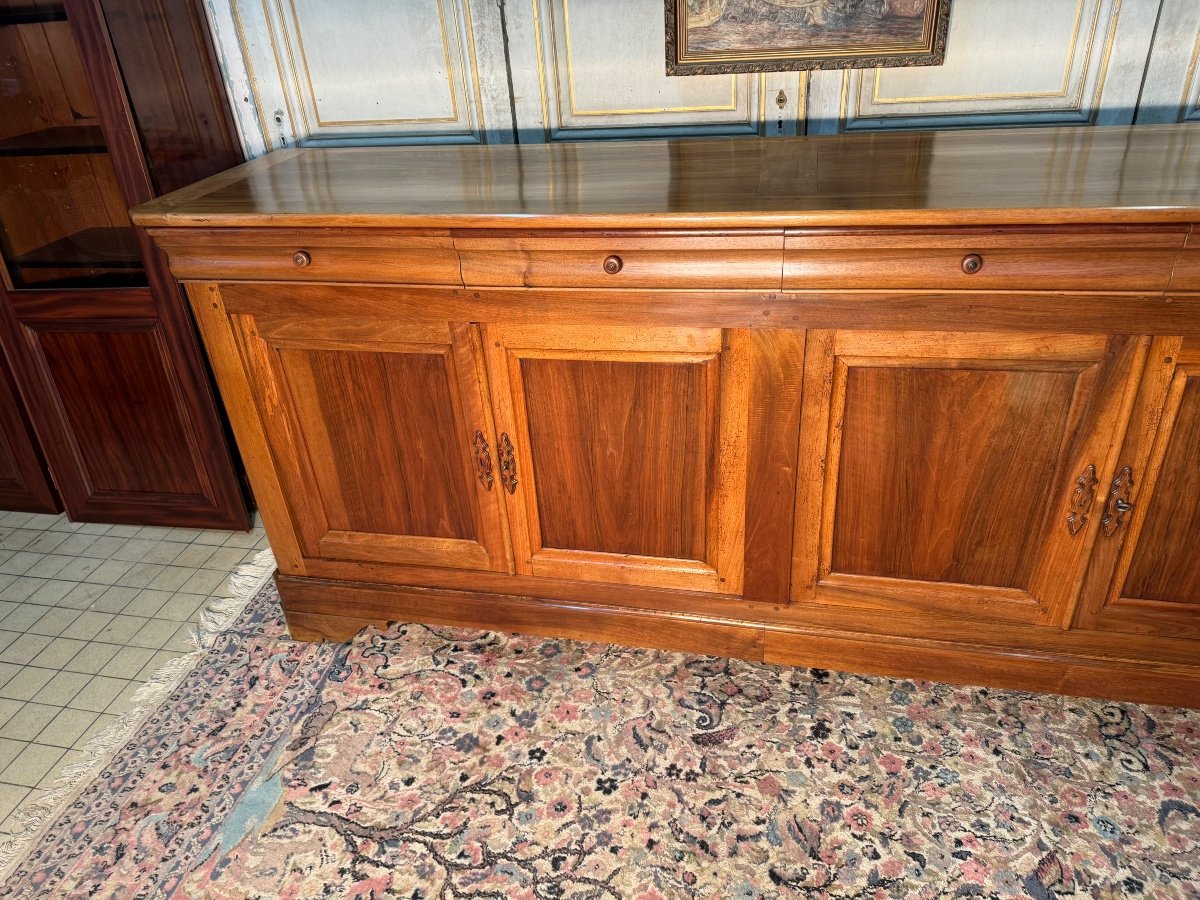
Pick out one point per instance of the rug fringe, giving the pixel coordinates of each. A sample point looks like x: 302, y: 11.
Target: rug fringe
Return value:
x: 243, y: 585
x: 34, y: 817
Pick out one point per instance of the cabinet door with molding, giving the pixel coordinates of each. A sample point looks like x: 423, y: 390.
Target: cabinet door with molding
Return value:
x: 378, y: 431
x: 956, y: 473
x: 1145, y: 576
x: 622, y: 452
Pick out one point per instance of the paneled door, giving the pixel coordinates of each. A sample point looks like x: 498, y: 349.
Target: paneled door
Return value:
x: 622, y: 452
x: 379, y: 431
x: 960, y: 472
x: 1145, y: 575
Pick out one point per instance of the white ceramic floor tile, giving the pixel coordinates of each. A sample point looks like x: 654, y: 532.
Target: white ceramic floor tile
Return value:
x: 58, y: 653
x: 32, y: 764
x: 62, y: 688
x: 29, y: 721
x: 93, y: 658
x: 24, y: 648
x: 98, y: 693
x: 128, y: 662
x: 87, y: 625
x: 26, y: 683
x: 67, y: 727
x: 88, y: 613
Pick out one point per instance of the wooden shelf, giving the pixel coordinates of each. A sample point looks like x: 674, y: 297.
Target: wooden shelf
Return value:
x: 92, y: 248
x: 61, y: 140
x: 25, y: 15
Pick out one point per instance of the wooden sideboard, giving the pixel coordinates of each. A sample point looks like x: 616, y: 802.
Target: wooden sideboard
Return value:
x: 916, y: 404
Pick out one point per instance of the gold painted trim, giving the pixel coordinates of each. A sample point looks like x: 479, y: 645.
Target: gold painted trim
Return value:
x: 339, y: 123
x: 1110, y: 31
x: 1190, y: 104
x: 1030, y: 95
x: 259, y: 106
x: 576, y: 112
x: 682, y: 61
x: 1102, y: 77
x: 541, y: 68
x: 480, y: 127
x: 287, y: 95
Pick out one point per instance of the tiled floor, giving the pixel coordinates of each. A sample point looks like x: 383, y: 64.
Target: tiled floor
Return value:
x: 87, y: 614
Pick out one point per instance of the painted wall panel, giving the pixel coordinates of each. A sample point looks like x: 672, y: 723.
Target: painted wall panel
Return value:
x: 370, y: 71
x: 1035, y: 62
x: 1171, y: 92
x: 401, y: 71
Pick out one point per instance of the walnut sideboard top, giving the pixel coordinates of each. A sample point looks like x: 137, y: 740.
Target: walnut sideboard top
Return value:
x: 1107, y: 175
x: 920, y: 404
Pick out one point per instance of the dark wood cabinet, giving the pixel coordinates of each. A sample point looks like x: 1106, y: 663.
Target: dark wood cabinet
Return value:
x: 944, y: 431
x: 24, y: 482
x: 102, y: 347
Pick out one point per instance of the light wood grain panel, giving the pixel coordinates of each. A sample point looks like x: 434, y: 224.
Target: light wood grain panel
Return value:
x: 630, y: 452
x: 332, y: 255
x: 1102, y: 176
x: 928, y: 492
x: 1143, y: 577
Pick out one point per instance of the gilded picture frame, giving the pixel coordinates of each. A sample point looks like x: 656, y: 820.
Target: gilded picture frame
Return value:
x: 721, y: 37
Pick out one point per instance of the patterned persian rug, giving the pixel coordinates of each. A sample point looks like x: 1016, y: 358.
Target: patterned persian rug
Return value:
x: 427, y: 762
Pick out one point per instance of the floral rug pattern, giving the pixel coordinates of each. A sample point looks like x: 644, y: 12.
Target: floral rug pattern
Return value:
x: 426, y: 762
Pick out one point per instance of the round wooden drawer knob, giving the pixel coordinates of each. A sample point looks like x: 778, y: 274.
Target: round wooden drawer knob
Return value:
x: 972, y: 263
x: 613, y: 265
x: 301, y: 258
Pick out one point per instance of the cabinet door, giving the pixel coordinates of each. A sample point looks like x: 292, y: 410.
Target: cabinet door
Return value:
x: 379, y: 431
x: 955, y: 472
x: 1145, y: 576
x: 24, y: 482
x: 623, y: 452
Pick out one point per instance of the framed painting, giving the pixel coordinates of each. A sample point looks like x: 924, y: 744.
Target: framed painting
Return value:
x: 719, y: 37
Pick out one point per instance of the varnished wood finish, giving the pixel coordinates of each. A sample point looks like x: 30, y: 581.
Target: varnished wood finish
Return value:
x: 937, y: 468
x: 115, y: 381
x: 761, y: 408
x: 1068, y: 665
x: 1144, y: 576
x: 630, y: 452
x: 1002, y: 177
x: 24, y: 482
x: 371, y: 424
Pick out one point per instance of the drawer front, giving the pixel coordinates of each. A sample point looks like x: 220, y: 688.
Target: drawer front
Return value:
x: 1026, y: 260
x: 310, y: 255
x: 623, y: 261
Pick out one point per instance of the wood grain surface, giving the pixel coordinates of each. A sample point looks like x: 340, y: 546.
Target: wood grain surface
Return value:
x: 1046, y: 175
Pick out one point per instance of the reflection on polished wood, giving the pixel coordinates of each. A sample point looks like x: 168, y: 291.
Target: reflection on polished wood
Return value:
x: 821, y: 402
x: 1105, y: 175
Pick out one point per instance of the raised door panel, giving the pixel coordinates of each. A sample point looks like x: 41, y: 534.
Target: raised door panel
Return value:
x: 1144, y: 576
x: 24, y: 482
x: 380, y: 434
x: 937, y: 470
x: 622, y: 452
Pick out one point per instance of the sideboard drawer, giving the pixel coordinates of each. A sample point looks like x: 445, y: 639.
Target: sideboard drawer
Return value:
x: 1027, y: 259
x: 623, y: 260
x: 270, y: 254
